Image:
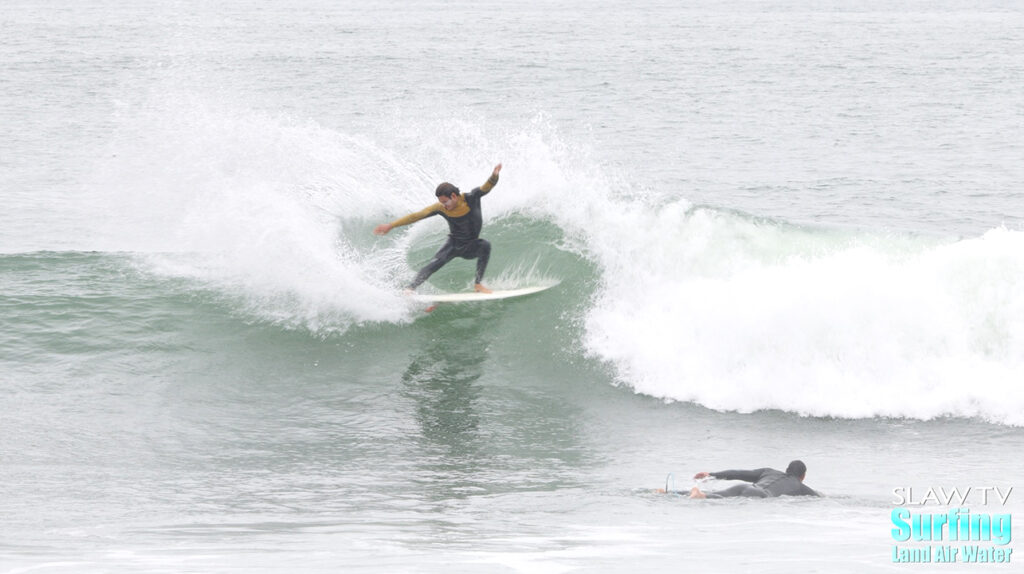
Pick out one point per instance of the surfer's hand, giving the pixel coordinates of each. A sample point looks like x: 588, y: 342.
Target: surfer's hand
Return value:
x: 497, y: 169
x: 701, y: 475
x: 382, y: 229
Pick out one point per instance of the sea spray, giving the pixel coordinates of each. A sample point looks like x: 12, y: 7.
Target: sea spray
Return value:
x: 258, y: 206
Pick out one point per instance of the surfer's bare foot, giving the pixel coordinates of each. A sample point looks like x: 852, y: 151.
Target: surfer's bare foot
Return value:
x: 479, y: 288
x: 660, y: 491
x: 408, y: 291
x: 696, y: 493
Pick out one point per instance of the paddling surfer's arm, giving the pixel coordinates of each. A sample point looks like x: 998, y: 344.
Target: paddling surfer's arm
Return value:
x: 745, y: 475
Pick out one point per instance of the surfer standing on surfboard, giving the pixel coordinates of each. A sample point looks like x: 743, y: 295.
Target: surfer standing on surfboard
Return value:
x: 462, y: 212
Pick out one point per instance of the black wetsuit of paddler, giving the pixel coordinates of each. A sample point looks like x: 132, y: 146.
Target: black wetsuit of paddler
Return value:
x: 464, y: 224
x: 765, y: 482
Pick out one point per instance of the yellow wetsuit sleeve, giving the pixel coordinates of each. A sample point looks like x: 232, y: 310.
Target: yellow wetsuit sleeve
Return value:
x: 414, y: 217
x: 489, y: 184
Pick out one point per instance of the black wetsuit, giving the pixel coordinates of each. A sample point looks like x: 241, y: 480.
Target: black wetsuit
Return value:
x: 765, y: 482
x: 464, y: 223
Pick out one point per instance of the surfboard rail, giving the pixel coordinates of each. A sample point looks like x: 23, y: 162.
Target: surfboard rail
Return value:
x: 476, y: 297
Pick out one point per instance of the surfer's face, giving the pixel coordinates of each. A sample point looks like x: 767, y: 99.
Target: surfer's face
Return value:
x: 448, y: 201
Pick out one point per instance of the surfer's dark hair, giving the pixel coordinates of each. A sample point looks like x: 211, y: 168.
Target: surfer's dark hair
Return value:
x: 797, y: 468
x: 446, y: 189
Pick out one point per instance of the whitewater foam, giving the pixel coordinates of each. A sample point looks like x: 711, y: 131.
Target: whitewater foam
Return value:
x: 736, y: 315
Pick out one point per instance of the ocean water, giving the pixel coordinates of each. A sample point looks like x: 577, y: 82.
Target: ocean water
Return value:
x: 781, y: 230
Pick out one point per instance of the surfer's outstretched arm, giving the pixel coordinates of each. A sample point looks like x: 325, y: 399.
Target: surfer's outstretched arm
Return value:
x: 383, y: 228
x: 491, y: 181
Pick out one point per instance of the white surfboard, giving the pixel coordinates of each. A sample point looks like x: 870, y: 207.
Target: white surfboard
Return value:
x: 471, y: 297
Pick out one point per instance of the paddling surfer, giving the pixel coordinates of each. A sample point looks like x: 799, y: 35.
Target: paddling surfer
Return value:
x: 462, y: 212
x: 764, y: 482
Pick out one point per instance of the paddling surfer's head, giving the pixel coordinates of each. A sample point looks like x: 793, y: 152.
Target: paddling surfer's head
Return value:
x: 797, y: 468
